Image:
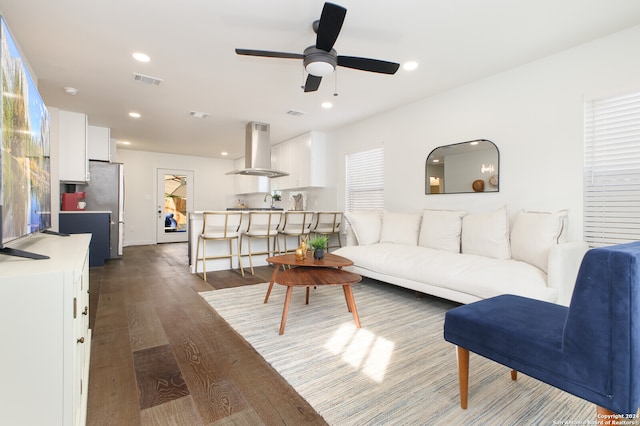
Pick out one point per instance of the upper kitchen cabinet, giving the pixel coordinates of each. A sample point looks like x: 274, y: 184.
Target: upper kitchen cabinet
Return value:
x: 99, y: 142
x: 304, y: 158
x: 74, y: 154
x: 246, y: 184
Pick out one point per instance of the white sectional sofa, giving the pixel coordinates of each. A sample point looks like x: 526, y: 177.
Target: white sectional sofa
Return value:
x: 464, y: 256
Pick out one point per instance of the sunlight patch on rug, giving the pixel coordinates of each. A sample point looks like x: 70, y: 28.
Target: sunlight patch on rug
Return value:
x: 361, y: 348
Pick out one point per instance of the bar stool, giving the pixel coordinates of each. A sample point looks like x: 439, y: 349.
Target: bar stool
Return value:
x: 296, y: 224
x: 219, y: 226
x: 328, y: 223
x: 262, y: 225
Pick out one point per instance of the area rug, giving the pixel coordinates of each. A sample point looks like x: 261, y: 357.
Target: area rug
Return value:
x: 395, y: 370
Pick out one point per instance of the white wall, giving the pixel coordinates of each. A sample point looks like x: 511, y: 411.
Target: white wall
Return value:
x: 212, y: 188
x: 534, y: 114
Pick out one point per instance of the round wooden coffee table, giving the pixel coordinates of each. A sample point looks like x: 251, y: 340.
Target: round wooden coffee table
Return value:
x: 307, y: 276
x: 325, y: 271
x: 329, y: 261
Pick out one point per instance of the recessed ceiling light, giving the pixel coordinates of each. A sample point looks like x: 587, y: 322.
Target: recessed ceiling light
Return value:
x: 134, y: 114
x: 71, y: 91
x: 410, y: 65
x: 198, y: 114
x: 224, y: 153
x: 327, y: 105
x: 141, y: 57
x: 124, y: 142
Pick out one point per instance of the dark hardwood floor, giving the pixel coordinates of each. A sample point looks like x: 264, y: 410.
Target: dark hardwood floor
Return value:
x: 160, y: 355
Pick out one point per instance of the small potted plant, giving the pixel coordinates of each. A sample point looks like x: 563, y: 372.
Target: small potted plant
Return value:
x: 318, y: 245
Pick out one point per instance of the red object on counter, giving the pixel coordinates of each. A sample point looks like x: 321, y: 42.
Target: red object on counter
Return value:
x: 73, y: 201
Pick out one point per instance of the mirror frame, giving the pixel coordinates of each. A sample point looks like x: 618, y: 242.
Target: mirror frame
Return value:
x: 484, y: 184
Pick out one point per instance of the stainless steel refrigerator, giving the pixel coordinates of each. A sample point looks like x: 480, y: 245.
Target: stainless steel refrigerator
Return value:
x: 105, y: 192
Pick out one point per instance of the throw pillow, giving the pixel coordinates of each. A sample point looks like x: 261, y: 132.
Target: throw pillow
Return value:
x: 441, y: 229
x: 534, y: 233
x: 400, y: 228
x: 365, y: 225
x: 486, y: 234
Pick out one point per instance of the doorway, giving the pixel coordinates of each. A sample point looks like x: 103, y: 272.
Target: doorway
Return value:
x: 175, y: 201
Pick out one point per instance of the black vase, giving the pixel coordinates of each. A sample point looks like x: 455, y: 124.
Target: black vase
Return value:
x: 318, y: 254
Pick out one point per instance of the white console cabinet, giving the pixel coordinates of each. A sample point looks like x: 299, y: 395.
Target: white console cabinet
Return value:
x: 44, y: 323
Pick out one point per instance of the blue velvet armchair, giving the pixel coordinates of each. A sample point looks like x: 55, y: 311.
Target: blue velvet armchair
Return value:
x: 590, y: 349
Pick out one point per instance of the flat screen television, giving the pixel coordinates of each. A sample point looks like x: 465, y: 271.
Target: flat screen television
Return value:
x: 25, y: 180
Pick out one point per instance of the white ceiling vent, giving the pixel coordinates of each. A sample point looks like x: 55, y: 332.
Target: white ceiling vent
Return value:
x: 295, y: 113
x: 198, y: 114
x: 147, y: 79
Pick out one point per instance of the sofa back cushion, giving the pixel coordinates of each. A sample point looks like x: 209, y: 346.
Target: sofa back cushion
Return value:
x: 534, y: 233
x: 440, y: 229
x: 365, y: 225
x: 486, y: 234
x: 400, y: 228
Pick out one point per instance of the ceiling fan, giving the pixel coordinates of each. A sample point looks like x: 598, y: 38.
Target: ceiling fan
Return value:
x: 321, y: 60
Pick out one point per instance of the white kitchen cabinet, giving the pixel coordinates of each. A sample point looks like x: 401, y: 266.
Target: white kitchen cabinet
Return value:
x: 304, y: 158
x: 44, y: 318
x: 244, y: 184
x: 99, y: 143
x: 280, y: 161
x: 74, y: 154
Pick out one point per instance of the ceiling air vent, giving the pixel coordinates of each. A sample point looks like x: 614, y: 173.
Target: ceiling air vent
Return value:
x: 198, y: 114
x: 295, y: 113
x: 147, y: 79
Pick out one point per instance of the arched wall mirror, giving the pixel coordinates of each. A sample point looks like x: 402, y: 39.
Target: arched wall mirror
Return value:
x: 472, y: 166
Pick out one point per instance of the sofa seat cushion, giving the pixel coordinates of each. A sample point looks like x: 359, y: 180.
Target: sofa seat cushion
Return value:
x: 480, y: 276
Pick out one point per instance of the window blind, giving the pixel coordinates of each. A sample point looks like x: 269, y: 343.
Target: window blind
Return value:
x: 612, y: 170
x: 364, y: 186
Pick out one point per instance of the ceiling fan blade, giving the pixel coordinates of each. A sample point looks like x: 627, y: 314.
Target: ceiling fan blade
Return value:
x: 312, y: 84
x: 368, y: 64
x: 329, y: 26
x: 269, y: 54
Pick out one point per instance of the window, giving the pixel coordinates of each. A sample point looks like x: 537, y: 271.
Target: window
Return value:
x: 612, y: 170
x: 364, y: 186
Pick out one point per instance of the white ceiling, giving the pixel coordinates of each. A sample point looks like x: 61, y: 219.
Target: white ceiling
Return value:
x: 87, y: 44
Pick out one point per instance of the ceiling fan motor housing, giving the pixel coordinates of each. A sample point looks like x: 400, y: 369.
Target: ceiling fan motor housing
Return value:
x: 319, y: 62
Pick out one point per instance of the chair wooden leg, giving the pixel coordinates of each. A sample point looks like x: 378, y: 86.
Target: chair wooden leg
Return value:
x: 250, y: 257
x: 239, y: 257
x: 514, y: 375
x: 204, y: 259
x: 603, y: 413
x: 463, y: 375
x: 240, y: 245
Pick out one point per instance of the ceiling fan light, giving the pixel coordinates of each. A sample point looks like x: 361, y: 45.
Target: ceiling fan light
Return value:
x: 319, y: 68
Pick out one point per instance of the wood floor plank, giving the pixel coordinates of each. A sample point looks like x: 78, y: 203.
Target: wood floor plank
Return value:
x: 262, y: 387
x: 113, y: 392
x: 243, y: 418
x: 159, y: 377
x: 145, y: 329
x: 227, y: 382
x: 181, y: 411
x: 205, y: 372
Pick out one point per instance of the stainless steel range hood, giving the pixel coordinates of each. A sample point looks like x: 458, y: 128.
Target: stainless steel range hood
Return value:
x: 258, y: 152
